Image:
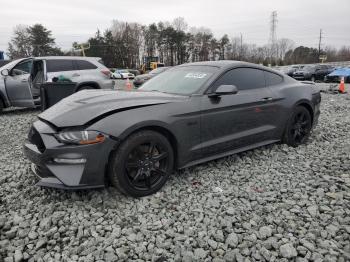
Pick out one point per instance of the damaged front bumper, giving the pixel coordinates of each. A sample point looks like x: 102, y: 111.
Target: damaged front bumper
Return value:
x: 66, y: 166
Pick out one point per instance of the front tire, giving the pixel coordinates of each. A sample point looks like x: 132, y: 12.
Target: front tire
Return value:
x: 313, y: 78
x: 142, y: 164
x: 298, y: 127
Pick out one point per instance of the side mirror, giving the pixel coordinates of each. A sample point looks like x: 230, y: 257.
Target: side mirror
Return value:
x: 225, y: 90
x: 5, y: 72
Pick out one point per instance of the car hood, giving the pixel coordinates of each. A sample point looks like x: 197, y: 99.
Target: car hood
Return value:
x: 89, y: 105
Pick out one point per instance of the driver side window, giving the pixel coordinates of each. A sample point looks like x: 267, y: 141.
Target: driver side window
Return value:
x: 243, y: 78
x: 22, y: 68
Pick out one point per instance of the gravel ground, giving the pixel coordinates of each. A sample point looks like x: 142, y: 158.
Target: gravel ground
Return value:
x: 276, y: 203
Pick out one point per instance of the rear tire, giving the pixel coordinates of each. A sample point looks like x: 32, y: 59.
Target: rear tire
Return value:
x: 142, y: 164
x: 2, y: 106
x: 298, y: 127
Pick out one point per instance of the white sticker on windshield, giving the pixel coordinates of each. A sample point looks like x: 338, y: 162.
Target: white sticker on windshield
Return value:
x: 195, y: 75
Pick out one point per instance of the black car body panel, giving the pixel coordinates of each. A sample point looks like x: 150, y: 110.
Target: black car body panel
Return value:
x: 199, y: 126
x: 316, y: 72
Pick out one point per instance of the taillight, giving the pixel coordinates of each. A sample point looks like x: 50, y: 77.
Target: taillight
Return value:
x: 106, y: 72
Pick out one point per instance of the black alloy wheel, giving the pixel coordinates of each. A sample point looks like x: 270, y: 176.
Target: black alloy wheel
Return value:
x: 146, y: 165
x: 142, y: 164
x: 299, y: 127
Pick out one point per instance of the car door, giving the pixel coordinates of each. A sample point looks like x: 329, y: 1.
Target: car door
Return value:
x: 237, y: 120
x: 17, y: 84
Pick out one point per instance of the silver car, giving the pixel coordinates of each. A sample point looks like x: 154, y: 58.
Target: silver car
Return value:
x: 20, y: 80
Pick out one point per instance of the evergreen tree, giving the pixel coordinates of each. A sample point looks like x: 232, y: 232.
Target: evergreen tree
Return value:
x: 35, y: 40
x: 42, y: 42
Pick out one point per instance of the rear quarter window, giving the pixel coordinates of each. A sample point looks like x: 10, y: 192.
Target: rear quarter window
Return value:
x: 59, y: 65
x: 85, y: 65
x: 272, y: 79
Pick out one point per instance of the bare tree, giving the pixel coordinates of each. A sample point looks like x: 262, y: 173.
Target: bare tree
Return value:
x: 128, y: 39
x: 283, y: 45
x: 180, y: 24
x: 20, y: 46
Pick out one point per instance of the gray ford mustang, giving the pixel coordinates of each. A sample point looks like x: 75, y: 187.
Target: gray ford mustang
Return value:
x: 188, y: 115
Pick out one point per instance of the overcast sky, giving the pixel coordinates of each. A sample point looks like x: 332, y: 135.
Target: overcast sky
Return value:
x: 77, y: 20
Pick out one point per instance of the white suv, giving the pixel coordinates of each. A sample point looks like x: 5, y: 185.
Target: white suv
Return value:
x: 20, y: 80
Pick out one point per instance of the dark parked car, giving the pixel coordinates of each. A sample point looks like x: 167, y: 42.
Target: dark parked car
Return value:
x: 135, y: 72
x: 187, y: 115
x: 139, y: 80
x: 313, y: 72
x: 289, y: 70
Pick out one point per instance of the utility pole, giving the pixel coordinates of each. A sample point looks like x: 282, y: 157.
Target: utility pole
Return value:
x: 319, y: 44
x: 241, y: 49
x: 273, y: 37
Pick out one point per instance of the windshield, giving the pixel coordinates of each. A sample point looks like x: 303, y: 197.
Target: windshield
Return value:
x: 181, y: 80
x: 10, y: 65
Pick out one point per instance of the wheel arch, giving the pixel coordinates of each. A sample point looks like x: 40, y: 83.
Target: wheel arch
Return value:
x: 89, y: 83
x: 157, y: 127
x: 3, y: 100
x: 308, y: 106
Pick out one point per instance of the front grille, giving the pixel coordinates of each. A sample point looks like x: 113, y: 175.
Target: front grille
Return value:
x: 35, y: 138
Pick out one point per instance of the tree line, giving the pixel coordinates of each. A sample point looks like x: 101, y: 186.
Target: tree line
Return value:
x: 124, y: 45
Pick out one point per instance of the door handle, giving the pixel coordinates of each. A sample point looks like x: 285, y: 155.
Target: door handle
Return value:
x: 266, y: 99
x: 75, y: 75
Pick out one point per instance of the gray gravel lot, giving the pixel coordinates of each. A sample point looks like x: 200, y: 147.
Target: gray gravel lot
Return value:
x: 275, y: 203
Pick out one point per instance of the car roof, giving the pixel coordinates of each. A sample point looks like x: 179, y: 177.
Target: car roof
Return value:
x: 220, y: 63
x: 68, y: 57
x: 226, y: 64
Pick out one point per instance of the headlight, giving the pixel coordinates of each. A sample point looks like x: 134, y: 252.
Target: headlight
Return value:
x: 80, y: 137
